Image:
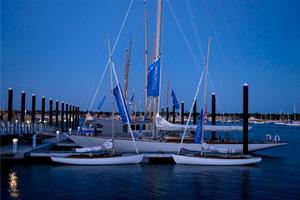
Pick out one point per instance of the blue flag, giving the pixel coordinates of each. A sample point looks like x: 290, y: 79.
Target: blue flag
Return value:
x: 154, y: 78
x: 175, y: 102
x: 198, y: 133
x: 121, y: 104
x: 101, y: 103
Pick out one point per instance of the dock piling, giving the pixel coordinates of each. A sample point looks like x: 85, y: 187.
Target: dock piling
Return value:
x: 245, y: 118
x: 213, y: 115
x: 182, y: 113
x: 195, y: 113
x: 10, y: 105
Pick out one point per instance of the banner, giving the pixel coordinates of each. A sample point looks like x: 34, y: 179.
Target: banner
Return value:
x: 200, y: 120
x: 154, y: 78
x: 175, y: 102
x: 121, y: 104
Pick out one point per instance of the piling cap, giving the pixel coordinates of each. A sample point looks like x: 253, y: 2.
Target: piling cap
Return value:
x: 213, y: 93
x: 245, y: 84
x: 33, y: 94
x: 43, y: 97
x: 50, y: 99
x: 23, y: 91
x: 10, y: 88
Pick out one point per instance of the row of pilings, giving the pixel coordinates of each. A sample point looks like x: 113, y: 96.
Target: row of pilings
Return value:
x: 59, y: 116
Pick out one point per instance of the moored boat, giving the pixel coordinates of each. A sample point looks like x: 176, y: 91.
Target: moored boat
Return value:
x: 99, y: 159
x: 232, y: 160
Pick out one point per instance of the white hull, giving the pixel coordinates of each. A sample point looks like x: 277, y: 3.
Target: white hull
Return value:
x: 292, y: 124
x: 191, y: 160
x: 118, y: 160
x: 124, y: 145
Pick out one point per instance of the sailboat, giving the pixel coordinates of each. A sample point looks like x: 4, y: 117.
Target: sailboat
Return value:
x: 205, y: 156
x: 295, y: 122
x: 159, y: 144
x: 106, y: 158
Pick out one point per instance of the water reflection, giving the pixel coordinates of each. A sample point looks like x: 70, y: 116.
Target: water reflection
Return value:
x: 13, y: 185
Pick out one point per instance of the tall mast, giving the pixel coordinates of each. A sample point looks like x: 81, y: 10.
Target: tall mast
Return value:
x: 126, y: 74
x: 167, y: 93
x: 146, y: 57
x: 157, y: 45
x: 205, y: 87
x: 112, y: 100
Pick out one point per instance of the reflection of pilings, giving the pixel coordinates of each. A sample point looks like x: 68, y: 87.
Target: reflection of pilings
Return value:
x: 43, y: 110
x: 10, y: 104
x: 23, y: 107
x: 62, y: 117
x: 50, y: 112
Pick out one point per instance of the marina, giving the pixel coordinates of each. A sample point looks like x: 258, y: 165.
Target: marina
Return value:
x: 183, y: 100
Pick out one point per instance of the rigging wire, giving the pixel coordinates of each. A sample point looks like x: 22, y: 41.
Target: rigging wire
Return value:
x: 114, y: 46
x: 184, y: 36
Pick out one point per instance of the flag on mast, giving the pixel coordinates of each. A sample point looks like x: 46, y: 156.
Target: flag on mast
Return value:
x: 121, y: 104
x: 175, y: 102
x: 154, y: 78
x: 200, y: 122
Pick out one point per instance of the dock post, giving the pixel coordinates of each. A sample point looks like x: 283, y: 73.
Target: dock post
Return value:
x: 33, y: 111
x: 167, y: 113
x: 67, y: 116
x: 57, y: 135
x: 195, y: 113
x: 182, y: 112
x: 245, y: 118
x: 70, y: 116
x: 34, y: 140
x: 50, y: 112
x: 56, y: 113
x: 213, y: 114
x: 23, y: 107
x: 43, y: 110
x: 62, y: 116
x: 15, y: 145
x: 173, y: 111
x: 73, y: 116
x: 10, y: 105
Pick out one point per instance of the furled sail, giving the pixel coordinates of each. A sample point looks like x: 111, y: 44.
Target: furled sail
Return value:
x: 163, y: 124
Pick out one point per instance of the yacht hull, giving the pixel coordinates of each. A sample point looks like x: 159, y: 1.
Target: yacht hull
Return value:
x: 146, y: 146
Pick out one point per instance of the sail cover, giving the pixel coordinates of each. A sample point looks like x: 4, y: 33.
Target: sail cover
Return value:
x: 163, y: 124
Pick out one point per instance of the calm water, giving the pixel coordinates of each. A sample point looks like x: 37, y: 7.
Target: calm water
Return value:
x: 277, y: 177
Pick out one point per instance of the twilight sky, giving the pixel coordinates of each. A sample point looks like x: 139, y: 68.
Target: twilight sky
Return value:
x: 58, y: 49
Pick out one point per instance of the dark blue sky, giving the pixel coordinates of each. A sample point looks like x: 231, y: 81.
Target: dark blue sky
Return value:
x: 58, y: 49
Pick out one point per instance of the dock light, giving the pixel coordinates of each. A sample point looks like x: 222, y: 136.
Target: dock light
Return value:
x: 78, y: 128
x: 28, y: 122
x: 57, y: 135
x: 16, y: 121
x: 15, y: 145
x: 70, y: 131
x: 45, y: 121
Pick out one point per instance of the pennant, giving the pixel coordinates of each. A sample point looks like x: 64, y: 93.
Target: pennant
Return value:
x: 154, y: 78
x: 175, y: 102
x: 121, y: 104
